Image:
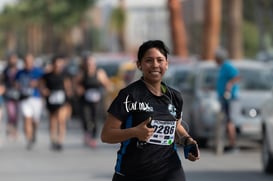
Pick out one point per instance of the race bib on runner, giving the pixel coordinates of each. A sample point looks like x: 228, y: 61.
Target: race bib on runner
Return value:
x: 92, y: 95
x: 26, y: 91
x: 57, y: 97
x: 164, y: 132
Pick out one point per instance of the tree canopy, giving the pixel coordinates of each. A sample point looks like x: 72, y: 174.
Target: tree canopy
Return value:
x: 58, y: 15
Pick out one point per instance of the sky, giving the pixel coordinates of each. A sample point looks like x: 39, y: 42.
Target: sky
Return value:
x: 4, y: 2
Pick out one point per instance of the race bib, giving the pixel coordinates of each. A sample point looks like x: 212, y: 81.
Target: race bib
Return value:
x: 13, y: 94
x: 92, y: 95
x: 57, y: 97
x: 164, y: 132
x: 27, y: 91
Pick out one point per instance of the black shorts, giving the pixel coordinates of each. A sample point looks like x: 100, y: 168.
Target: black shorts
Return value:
x: 52, y: 108
x: 175, y: 175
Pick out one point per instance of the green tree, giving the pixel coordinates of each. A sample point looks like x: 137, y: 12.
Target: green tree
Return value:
x: 251, y: 39
x: 52, y: 19
x: 118, y: 24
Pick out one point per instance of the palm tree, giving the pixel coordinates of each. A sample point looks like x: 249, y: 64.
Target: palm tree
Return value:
x: 179, y: 37
x: 47, y: 21
x: 118, y: 24
x: 235, y: 44
x: 212, y: 27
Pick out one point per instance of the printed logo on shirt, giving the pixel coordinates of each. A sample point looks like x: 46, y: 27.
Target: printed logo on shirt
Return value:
x: 134, y: 106
x: 172, y: 110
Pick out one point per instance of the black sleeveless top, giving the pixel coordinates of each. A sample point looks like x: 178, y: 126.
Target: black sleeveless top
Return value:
x: 91, y: 81
x: 93, y: 88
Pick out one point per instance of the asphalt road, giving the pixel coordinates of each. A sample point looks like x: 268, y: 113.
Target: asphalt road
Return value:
x: 79, y: 163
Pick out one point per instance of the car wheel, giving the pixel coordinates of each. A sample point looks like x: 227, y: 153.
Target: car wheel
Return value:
x: 267, y: 157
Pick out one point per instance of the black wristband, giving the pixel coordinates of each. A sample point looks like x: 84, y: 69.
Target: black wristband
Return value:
x: 186, y: 139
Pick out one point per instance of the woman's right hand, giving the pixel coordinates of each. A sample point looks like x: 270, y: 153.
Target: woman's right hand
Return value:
x: 143, y: 132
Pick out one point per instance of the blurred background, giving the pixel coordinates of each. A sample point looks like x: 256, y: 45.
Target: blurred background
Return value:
x: 189, y: 27
x: 113, y: 30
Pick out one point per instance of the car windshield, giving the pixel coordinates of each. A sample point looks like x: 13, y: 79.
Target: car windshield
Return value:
x: 179, y: 78
x: 182, y: 79
x: 255, y: 79
x: 208, y: 78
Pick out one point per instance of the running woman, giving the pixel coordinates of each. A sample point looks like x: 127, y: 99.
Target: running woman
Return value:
x: 11, y: 96
x: 53, y: 86
x: 145, y: 118
x: 92, y: 83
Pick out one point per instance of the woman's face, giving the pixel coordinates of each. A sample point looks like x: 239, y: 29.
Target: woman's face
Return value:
x: 59, y: 65
x: 91, y: 65
x: 153, y: 65
x: 13, y: 60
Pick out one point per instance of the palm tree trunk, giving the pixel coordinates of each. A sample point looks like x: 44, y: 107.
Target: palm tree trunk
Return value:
x: 235, y: 45
x: 179, y: 37
x: 212, y: 28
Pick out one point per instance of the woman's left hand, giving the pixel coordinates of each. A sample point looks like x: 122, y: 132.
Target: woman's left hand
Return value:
x: 191, y: 156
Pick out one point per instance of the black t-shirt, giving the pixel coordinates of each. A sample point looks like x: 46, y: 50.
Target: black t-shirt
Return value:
x: 133, y: 105
x: 55, y: 83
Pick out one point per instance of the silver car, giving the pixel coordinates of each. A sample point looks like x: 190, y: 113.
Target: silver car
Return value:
x: 267, y: 133
x: 181, y: 77
x: 255, y: 89
x: 204, y: 106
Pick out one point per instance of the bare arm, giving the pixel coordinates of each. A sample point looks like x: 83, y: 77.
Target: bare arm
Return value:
x: 182, y: 133
x: 79, y: 87
x: 104, y: 79
x: 231, y: 82
x: 68, y: 87
x: 43, y: 89
x: 2, y: 89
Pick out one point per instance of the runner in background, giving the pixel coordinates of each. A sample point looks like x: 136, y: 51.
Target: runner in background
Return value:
x: 11, y: 96
x: 31, y: 104
x: 2, y: 91
x: 91, y: 85
x: 53, y: 86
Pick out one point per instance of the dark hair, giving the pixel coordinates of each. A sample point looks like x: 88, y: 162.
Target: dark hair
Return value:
x: 10, y: 54
x: 158, y: 44
x: 57, y: 57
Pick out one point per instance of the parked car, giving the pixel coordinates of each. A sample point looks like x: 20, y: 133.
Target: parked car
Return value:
x: 181, y: 77
x: 204, y: 105
x: 202, y: 101
x: 255, y: 88
x: 267, y: 135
